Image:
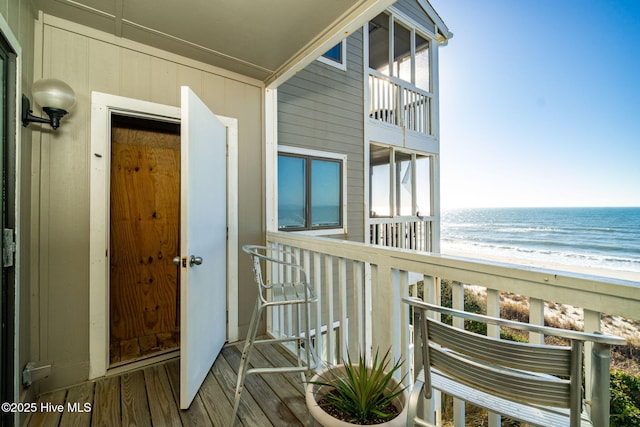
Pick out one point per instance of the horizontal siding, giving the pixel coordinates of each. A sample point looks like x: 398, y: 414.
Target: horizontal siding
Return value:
x: 321, y: 108
x: 412, y: 9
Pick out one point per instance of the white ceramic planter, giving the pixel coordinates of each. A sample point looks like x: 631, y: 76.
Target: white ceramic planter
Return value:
x: 320, y: 418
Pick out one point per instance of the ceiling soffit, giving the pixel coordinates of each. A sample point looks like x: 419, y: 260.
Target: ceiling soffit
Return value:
x: 266, y: 40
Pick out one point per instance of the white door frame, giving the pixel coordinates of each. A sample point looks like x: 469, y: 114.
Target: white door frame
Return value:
x: 102, y: 105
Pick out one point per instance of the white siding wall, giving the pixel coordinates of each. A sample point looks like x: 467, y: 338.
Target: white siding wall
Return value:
x: 89, y: 60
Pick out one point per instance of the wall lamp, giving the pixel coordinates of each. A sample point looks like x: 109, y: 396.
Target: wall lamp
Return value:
x: 55, y: 97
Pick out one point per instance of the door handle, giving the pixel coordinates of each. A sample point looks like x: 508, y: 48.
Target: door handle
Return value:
x: 195, y: 260
x: 176, y: 260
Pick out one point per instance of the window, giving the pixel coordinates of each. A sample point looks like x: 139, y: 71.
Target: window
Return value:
x: 409, y: 50
x: 400, y: 182
x: 336, y: 56
x: 310, y: 190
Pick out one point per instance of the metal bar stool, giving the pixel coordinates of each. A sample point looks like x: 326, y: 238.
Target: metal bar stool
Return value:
x: 291, y: 289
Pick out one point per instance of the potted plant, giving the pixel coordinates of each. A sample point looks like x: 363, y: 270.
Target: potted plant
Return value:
x: 358, y: 394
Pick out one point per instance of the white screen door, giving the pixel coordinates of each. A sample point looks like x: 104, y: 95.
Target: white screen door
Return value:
x: 203, y: 286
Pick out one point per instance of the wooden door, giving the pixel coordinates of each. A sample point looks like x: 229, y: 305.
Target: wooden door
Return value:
x: 203, y: 249
x: 145, y: 218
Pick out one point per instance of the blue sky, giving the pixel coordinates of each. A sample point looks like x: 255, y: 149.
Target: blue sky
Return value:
x: 540, y: 103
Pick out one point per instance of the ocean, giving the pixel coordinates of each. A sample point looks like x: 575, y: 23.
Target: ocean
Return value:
x: 606, y: 238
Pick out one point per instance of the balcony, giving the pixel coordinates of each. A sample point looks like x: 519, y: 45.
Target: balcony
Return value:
x: 360, y: 288
x: 395, y: 102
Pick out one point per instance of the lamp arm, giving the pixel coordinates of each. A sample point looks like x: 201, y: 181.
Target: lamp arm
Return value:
x: 55, y: 114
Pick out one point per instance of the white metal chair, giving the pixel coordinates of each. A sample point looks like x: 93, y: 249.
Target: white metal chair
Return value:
x: 289, y: 287
x: 535, y: 383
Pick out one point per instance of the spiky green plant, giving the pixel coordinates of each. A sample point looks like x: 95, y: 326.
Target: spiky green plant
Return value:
x: 362, y: 393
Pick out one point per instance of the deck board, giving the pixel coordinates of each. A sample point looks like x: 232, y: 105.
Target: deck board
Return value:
x: 48, y: 418
x: 76, y: 414
x: 249, y: 412
x: 163, y: 408
x: 196, y: 415
x: 135, y: 409
x: 262, y: 393
x: 106, y: 402
x: 288, y: 393
x: 215, y: 401
x: 150, y: 396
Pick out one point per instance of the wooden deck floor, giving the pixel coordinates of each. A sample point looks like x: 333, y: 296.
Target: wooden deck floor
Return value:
x: 149, y: 397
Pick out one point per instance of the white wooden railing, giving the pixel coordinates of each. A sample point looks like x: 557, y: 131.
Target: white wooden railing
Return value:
x: 399, y: 103
x: 407, y: 232
x: 360, y: 287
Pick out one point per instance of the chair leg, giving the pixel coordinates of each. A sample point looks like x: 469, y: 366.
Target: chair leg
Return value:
x: 414, y: 400
x: 310, y: 353
x: 244, y: 360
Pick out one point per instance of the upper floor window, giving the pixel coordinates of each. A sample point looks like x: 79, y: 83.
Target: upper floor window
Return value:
x: 398, y: 49
x: 311, y: 189
x: 400, y: 182
x: 336, y: 56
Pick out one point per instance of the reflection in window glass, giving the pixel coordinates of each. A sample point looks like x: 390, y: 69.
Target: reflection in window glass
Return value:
x: 404, y: 184
x: 406, y: 201
x: 325, y: 193
x: 423, y: 186
x: 379, y: 43
x: 380, y: 181
x: 380, y: 190
x: 291, y: 192
x: 335, y: 53
x: 401, y: 52
x: 422, y: 63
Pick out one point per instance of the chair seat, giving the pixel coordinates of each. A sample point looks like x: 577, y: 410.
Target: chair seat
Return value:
x: 291, y: 293
x: 542, y: 416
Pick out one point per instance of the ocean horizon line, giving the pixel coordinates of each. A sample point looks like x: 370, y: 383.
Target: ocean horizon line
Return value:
x: 542, y: 207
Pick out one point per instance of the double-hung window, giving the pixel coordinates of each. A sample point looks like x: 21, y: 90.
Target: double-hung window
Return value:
x: 310, y: 190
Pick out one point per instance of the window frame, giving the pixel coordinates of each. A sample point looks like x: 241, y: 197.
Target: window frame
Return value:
x: 309, y: 155
x: 394, y: 201
x: 341, y: 65
x: 395, y: 16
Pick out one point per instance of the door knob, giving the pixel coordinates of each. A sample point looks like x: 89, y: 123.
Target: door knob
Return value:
x: 176, y: 261
x: 195, y: 260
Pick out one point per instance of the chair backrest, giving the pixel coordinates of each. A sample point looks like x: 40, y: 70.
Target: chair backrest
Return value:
x: 283, y: 260
x: 539, y: 374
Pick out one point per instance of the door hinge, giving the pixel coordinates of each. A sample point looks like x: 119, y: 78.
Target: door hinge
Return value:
x: 8, y: 247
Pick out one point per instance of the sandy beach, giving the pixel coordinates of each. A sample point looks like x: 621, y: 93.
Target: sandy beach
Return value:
x: 592, y: 271
x: 615, y: 325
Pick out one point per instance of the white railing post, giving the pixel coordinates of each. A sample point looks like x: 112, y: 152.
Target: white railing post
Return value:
x: 318, y: 282
x: 457, y: 302
x: 329, y: 302
x: 400, y: 318
x: 400, y: 105
x: 493, y: 310
x: 342, y: 307
x: 536, y: 317
x: 367, y: 306
x: 592, y: 323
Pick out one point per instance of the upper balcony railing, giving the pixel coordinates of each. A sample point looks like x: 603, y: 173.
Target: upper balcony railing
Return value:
x: 399, y: 103
x: 360, y: 289
x: 407, y: 232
